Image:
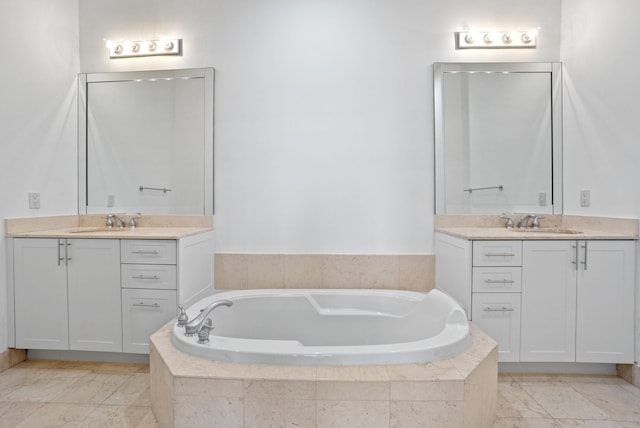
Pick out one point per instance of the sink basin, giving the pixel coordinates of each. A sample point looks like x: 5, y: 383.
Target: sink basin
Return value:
x: 98, y: 229
x: 547, y: 230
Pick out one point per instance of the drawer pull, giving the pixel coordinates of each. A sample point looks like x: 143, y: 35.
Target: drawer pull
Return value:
x: 499, y: 254
x: 146, y: 305
x: 154, y: 277
x: 502, y: 309
x: 146, y: 252
x: 499, y: 281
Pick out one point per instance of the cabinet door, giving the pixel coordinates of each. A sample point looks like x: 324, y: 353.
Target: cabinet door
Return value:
x: 40, y: 290
x: 548, y: 301
x: 95, y: 320
x: 143, y: 312
x: 498, y: 315
x: 605, y: 308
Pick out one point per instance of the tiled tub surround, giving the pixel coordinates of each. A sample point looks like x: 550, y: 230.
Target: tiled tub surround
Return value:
x: 396, y: 272
x: 190, y: 391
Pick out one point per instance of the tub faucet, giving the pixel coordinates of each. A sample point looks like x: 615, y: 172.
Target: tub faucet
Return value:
x: 195, y: 325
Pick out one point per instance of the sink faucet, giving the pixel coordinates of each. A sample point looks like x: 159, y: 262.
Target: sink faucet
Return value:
x: 195, y: 325
x: 114, y: 220
x: 132, y: 222
x: 524, y: 221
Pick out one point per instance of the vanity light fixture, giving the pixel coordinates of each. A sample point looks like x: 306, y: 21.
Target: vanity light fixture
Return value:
x: 496, y: 39
x: 129, y: 49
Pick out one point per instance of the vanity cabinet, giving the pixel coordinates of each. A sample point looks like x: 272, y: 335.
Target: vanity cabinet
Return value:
x: 578, y: 301
x: 105, y: 295
x: 545, y: 300
x: 66, y: 295
x: 149, y: 283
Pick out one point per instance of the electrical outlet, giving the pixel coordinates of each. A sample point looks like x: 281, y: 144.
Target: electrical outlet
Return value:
x: 34, y: 201
x: 585, y: 198
x: 542, y: 199
x: 111, y: 200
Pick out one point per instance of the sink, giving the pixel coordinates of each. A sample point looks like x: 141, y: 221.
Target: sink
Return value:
x: 98, y: 229
x: 548, y: 230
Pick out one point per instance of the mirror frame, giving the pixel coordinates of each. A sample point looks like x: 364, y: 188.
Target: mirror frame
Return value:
x: 85, y: 78
x: 554, y: 68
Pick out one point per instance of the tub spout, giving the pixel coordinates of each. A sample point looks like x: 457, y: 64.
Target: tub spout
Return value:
x: 192, y: 327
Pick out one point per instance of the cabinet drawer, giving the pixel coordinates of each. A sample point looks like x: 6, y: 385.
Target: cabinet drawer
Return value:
x: 148, y: 251
x: 497, y: 279
x: 498, y: 315
x: 148, y: 276
x: 144, y: 312
x: 497, y: 253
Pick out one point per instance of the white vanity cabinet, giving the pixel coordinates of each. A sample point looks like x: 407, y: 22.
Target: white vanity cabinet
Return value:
x: 545, y: 300
x: 149, y: 282
x: 102, y: 294
x: 578, y: 301
x: 66, y: 295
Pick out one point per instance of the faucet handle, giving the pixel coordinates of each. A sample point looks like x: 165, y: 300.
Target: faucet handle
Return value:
x: 509, y: 223
x: 536, y: 221
x: 183, y: 318
x: 109, y: 223
x: 132, y: 221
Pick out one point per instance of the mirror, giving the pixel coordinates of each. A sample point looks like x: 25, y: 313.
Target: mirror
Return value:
x: 146, y: 142
x: 498, y: 138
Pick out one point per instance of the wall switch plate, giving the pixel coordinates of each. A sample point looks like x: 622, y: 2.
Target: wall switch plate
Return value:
x: 542, y: 199
x: 111, y: 200
x: 34, y: 201
x: 585, y: 198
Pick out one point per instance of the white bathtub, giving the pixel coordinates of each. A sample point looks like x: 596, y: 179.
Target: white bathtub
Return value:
x: 330, y: 327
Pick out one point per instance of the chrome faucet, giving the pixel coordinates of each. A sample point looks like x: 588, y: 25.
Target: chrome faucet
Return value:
x: 114, y: 220
x: 524, y: 222
x: 132, y: 221
x: 195, y: 325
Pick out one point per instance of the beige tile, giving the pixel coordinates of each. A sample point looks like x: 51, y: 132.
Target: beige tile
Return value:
x: 17, y: 356
x: 39, y: 389
x: 265, y: 271
x: 263, y: 388
x: 209, y: 412
x: 515, y: 402
x: 116, y: 416
x: 436, y: 370
x: 231, y: 271
x: 135, y: 391
x: 341, y: 271
x: 300, y: 390
x: 357, y: 391
x: 352, y: 373
x: 379, y: 271
x: 5, y: 360
x: 13, y: 413
x: 577, y: 423
x: 303, y: 271
x: 255, y: 371
x: 562, y: 401
x: 263, y: 412
x: 352, y: 414
x: 416, y: 272
x: 418, y: 414
x: 480, y: 393
x: 300, y: 413
x: 526, y: 423
x: 598, y: 379
x: 614, y: 400
x: 162, y: 389
x: 92, y: 388
x: 186, y: 388
x: 57, y: 414
x: 427, y: 391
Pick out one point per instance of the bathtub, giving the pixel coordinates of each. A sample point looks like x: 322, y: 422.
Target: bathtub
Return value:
x: 329, y: 327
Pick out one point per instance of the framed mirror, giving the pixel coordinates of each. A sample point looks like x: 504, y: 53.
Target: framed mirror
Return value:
x: 146, y: 142
x: 498, y: 138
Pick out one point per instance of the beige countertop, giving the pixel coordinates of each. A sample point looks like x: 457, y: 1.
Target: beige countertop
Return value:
x: 103, y: 233
x: 486, y: 233
x: 93, y: 226
x: 552, y: 227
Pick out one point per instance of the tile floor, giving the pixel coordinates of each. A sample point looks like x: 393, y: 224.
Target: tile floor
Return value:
x: 39, y: 393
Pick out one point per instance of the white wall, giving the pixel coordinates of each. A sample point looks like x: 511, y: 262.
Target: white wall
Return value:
x: 323, y: 133
x: 37, y: 115
x: 601, y: 113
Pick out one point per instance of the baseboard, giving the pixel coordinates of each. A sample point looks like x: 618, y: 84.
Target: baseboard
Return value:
x: 105, y: 357
x: 11, y: 357
x: 630, y: 373
x: 558, y: 368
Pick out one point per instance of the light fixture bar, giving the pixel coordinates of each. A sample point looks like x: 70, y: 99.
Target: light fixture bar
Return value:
x: 496, y: 39
x: 137, y: 48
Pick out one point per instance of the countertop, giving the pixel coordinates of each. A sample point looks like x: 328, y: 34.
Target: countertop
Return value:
x: 104, y: 233
x: 501, y: 233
